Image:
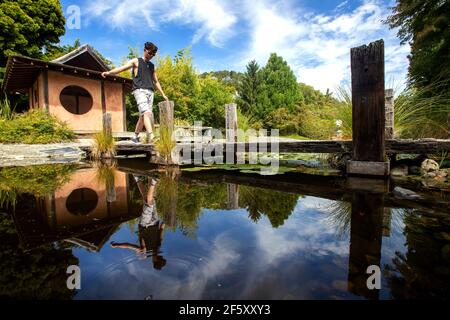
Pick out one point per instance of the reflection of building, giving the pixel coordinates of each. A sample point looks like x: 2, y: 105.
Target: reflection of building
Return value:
x: 70, y: 88
x: 81, y: 211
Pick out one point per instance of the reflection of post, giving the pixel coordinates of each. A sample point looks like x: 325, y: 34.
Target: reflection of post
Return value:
x: 387, y: 216
x: 170, y: 217
x: 233, y: 196
x: 110, y: 187
x: 365, y: 241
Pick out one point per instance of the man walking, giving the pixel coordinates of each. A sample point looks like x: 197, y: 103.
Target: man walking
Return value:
x: 144, y: 82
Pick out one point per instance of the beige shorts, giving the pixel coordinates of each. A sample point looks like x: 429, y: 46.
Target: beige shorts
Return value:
x: 144, y: 99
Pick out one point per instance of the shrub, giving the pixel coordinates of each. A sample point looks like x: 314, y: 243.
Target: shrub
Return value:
x: 34, y: 127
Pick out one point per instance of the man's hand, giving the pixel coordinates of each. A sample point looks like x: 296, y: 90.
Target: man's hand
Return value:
x: 104, y: 74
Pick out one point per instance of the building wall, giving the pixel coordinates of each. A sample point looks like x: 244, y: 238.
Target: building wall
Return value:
x: 87, y: 178
x: 92, y: 120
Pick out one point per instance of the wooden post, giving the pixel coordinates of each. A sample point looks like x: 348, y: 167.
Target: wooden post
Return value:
x: 389, y: 103
x: 107, y: 124
x: 166, y: 110
x: 367, y: 65
x: 231, y: 124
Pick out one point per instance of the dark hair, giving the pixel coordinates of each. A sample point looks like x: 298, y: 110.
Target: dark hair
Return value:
x: 149, y: 46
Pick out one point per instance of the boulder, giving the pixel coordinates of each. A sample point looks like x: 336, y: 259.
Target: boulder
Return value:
x: 429, y: 165
x: 403, y: 193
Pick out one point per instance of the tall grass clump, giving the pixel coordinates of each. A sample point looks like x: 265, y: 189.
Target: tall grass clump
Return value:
x: 104, y: 146
x: 165, y: 143
x: 418, y: 113
x: 6, y: 112
x: 34, y: 127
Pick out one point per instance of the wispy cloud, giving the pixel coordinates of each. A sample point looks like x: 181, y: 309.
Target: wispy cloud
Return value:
x: 316, y: 45
x: 210, y: 18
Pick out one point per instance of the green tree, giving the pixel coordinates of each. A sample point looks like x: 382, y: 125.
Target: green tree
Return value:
x: 28, y: 26
x: 425, y: 25
x: 210, y: 102
x: 279, y: 87
x: 55, y: 51
x: 249, y: 88
x: 180, y: 83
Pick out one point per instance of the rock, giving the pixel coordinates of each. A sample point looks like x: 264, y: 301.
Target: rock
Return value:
x: 429, y: 165
x: 415, y: 170
x: 429, y: 175
x: 399, y: 171
x: 403, y: 193
x: 442, y: 173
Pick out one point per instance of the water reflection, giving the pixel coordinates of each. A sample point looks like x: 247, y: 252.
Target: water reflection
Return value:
x: 151, y: 227
x: 172, y: 235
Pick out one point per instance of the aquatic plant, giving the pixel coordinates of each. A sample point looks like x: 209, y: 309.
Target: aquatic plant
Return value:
x: 104, y: 146
x: 165, y: 144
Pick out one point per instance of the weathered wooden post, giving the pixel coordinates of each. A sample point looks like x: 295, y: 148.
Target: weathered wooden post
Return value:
x: 166, y: 115
x: 367, y: 65
x: 231, y: 124
x: 107, y: 124
x: 389, y: 103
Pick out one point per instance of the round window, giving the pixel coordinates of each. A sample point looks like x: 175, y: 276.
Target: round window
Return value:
x: 76, y: 100
x: 82, y: 201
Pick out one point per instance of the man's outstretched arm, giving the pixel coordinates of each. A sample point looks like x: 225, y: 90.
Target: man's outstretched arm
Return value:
x: 125, y: 67
x: 158, y: 86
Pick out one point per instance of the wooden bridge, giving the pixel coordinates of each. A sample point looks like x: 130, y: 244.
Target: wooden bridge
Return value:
x: 373, y: 127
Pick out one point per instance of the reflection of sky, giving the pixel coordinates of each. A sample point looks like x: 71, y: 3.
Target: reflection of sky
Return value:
x: 232, y: 258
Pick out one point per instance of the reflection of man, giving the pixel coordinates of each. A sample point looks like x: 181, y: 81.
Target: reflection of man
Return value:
x: 151, y: 228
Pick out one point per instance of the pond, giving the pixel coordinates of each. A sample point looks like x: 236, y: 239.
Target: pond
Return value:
x: 137, y: 232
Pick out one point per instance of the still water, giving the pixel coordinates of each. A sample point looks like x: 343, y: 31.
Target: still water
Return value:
x: 141, y: 234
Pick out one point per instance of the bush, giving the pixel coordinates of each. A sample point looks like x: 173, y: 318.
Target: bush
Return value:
x: 34, y: 127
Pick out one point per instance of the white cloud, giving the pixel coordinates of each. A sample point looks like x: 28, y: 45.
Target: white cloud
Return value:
x: 211, y: 18
x: 317, y: 47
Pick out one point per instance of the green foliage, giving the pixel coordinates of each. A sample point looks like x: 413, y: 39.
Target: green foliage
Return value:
x: 39, y: 274
x: 283, y: 120
x: 277, y: 206
x: 210, y: 102
x: 6, y: 112
x: 40, y: 180
x: 28, y: 26
x: 55, y: 51
x: 423, y: 112
x: 249, y: 88
x: 165, y: 144
x: 180, y: 83
x: 225, y: 77
x: 34, y: 127
x: 104, y: 146
x: 279, y: 87
x: 425, y: 25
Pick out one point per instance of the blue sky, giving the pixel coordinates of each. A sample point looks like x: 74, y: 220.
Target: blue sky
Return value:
x: 315, y: 37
